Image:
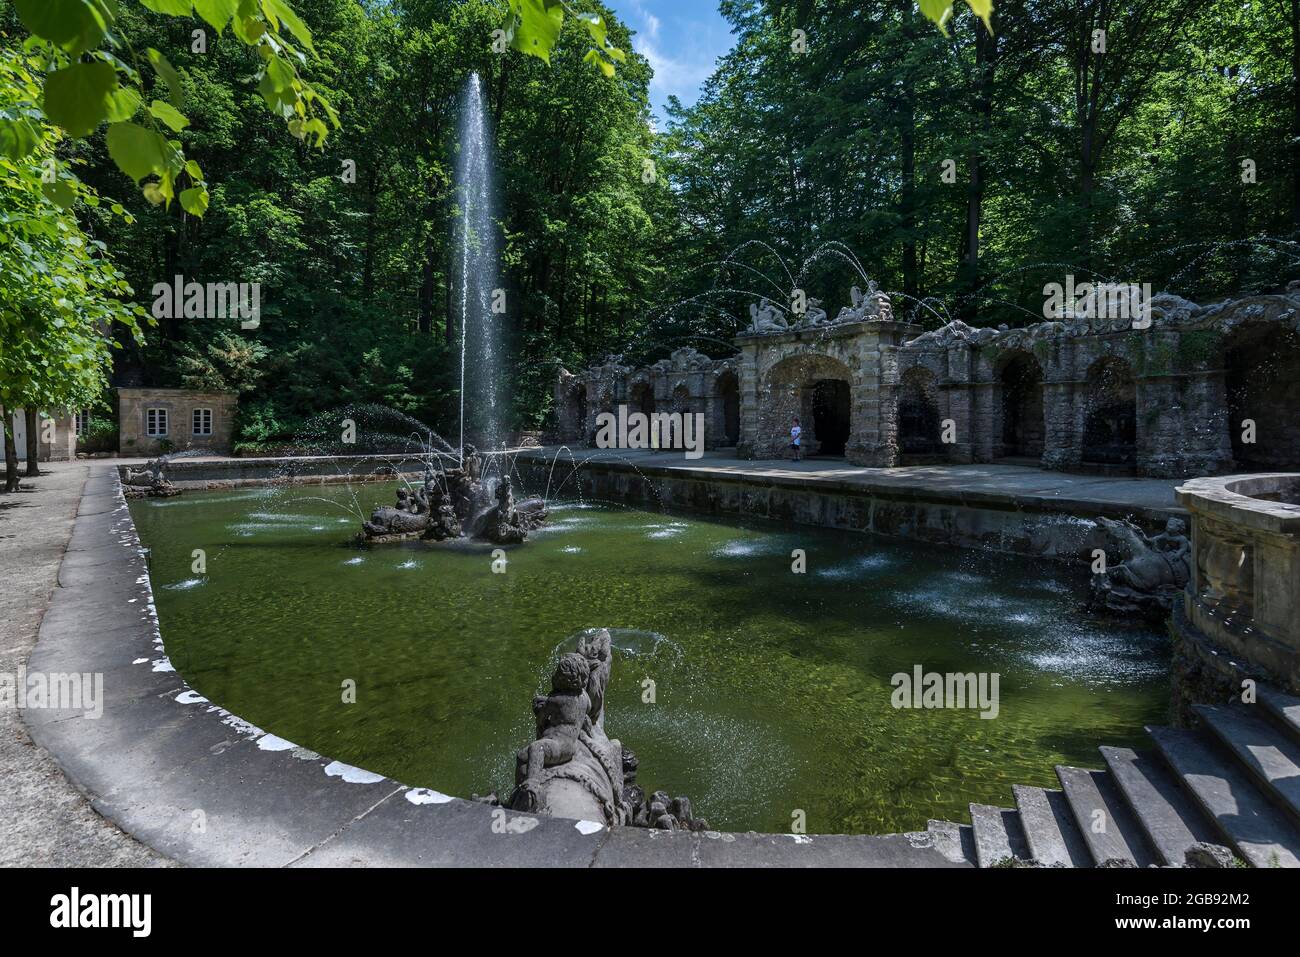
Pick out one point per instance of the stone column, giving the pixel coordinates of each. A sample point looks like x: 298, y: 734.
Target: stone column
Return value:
x: 747, y: 373
x: 956, y: 387
x: 873, y: 440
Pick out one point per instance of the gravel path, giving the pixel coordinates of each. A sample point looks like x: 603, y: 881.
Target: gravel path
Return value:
x: 44, y: 820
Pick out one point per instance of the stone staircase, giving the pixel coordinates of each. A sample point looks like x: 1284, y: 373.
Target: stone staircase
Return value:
x: 1233, y: 781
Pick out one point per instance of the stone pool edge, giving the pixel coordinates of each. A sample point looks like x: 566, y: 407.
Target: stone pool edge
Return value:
x: 206, y: 788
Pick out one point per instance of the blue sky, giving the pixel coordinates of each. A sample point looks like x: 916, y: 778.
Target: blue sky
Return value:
x: 681, y: 39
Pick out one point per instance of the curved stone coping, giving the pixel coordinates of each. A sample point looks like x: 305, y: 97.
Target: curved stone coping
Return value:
x: 207, y: 788
x: 1236, y: 499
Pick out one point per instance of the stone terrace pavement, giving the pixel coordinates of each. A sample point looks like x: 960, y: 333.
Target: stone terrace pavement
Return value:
x: 974, y: 483
x: 44, y: 820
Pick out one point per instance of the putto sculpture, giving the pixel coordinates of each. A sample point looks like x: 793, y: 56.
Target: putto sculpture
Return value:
x: 573, y: 769
x: 767, y: 318
x: 456, y: 503
x: 1154, y: 570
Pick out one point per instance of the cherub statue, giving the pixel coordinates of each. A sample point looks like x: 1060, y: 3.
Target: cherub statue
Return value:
x: 561, y: 717
x: 764, y: 316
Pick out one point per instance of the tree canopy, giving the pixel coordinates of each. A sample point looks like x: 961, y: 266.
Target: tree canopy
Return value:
x: 1142, y: 140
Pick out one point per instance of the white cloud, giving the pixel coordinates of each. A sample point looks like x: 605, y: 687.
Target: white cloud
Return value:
x: 695, y: 45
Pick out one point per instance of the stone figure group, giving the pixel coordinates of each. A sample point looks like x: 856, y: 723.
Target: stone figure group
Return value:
x: 1154, y: 570
x: 455, y: 503
x: 150, y: 481
x: 765, y: 317
x: 572, y: 769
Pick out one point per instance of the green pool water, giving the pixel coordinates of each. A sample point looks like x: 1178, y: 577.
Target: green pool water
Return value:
x: 772, y: 690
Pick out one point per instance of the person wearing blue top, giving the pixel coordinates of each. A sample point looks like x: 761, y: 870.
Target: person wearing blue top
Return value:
x: 795, y: 432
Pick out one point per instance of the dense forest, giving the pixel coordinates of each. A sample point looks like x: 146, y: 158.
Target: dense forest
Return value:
x: 1140, y: 140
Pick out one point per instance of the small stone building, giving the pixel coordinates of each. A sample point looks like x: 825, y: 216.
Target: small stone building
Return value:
x: 152, y: 421
x: 1190, y: 390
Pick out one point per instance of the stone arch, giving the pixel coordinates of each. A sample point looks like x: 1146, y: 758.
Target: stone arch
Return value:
x: 1020, y: 430
x: 1110, y: 413
x: 641, y: 397
x: 816, y: 388
x: 728, y: 391
x: 577, y: 400
x: 1261, y: 363
x: 606, y: 400
x: 918, y: 413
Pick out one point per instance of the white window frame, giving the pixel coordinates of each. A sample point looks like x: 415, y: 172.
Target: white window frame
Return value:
x: 154, y: 418
x: 197, y: 422
x: 82, y: 422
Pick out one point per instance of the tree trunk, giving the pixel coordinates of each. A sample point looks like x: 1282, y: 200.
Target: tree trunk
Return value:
x: 1295, y: 119
x: 33, y: 442
x: 968, y: 270
x: 908, y: 198
x: 11, y: 451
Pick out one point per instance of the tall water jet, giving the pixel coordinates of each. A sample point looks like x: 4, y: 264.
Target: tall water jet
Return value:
x: 480, y: 335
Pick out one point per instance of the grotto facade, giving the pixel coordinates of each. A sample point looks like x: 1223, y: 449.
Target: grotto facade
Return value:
x: 1189, y: 390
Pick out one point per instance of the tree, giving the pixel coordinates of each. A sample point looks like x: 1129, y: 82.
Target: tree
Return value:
x: 59, y: 292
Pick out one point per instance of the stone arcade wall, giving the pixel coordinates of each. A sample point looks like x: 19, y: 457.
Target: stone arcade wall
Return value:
x: 687, y: 381
x: 1169, y: 400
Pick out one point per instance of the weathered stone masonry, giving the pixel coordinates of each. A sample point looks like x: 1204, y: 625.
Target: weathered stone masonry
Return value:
x: 1182, y: 397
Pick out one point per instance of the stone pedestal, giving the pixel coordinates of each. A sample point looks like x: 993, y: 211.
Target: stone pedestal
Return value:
x: 1240, y: 616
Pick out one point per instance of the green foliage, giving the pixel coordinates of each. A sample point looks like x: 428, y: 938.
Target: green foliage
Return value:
x: 60, y: 294
x: 81, y: 95
x: 534, y: 27
x: 100, y: 435
x: 940, y: 11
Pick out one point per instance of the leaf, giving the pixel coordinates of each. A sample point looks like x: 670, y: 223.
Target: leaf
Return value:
x: 216, y: 12
x: 249, y: 29
x: 169, y: 76
x: 984, y: 10
x: 59, y: 193
x: 125, y: 102
x: 282, y: 10
x: 79, y: 97
x: 940, y: 11
x: 17, y: 138
x: 195, y: 200
x: 173, y: 117
x: 606, y: 67
x: 137, y: 151
x: 74, y: 25
x: 539, y: 27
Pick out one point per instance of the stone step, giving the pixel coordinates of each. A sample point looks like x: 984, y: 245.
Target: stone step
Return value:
x: 1260, y: 831
x: 1283, y: 709
x: 1107, y: 825
x: 1170, y: 818
x: 998, y: 834
x: 1265, y: 751
x: 954, y: 841
x: 1050, y: 831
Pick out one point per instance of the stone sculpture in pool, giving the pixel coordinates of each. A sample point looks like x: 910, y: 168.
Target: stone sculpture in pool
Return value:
x: 456, y: 503
x: 573, y: 769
